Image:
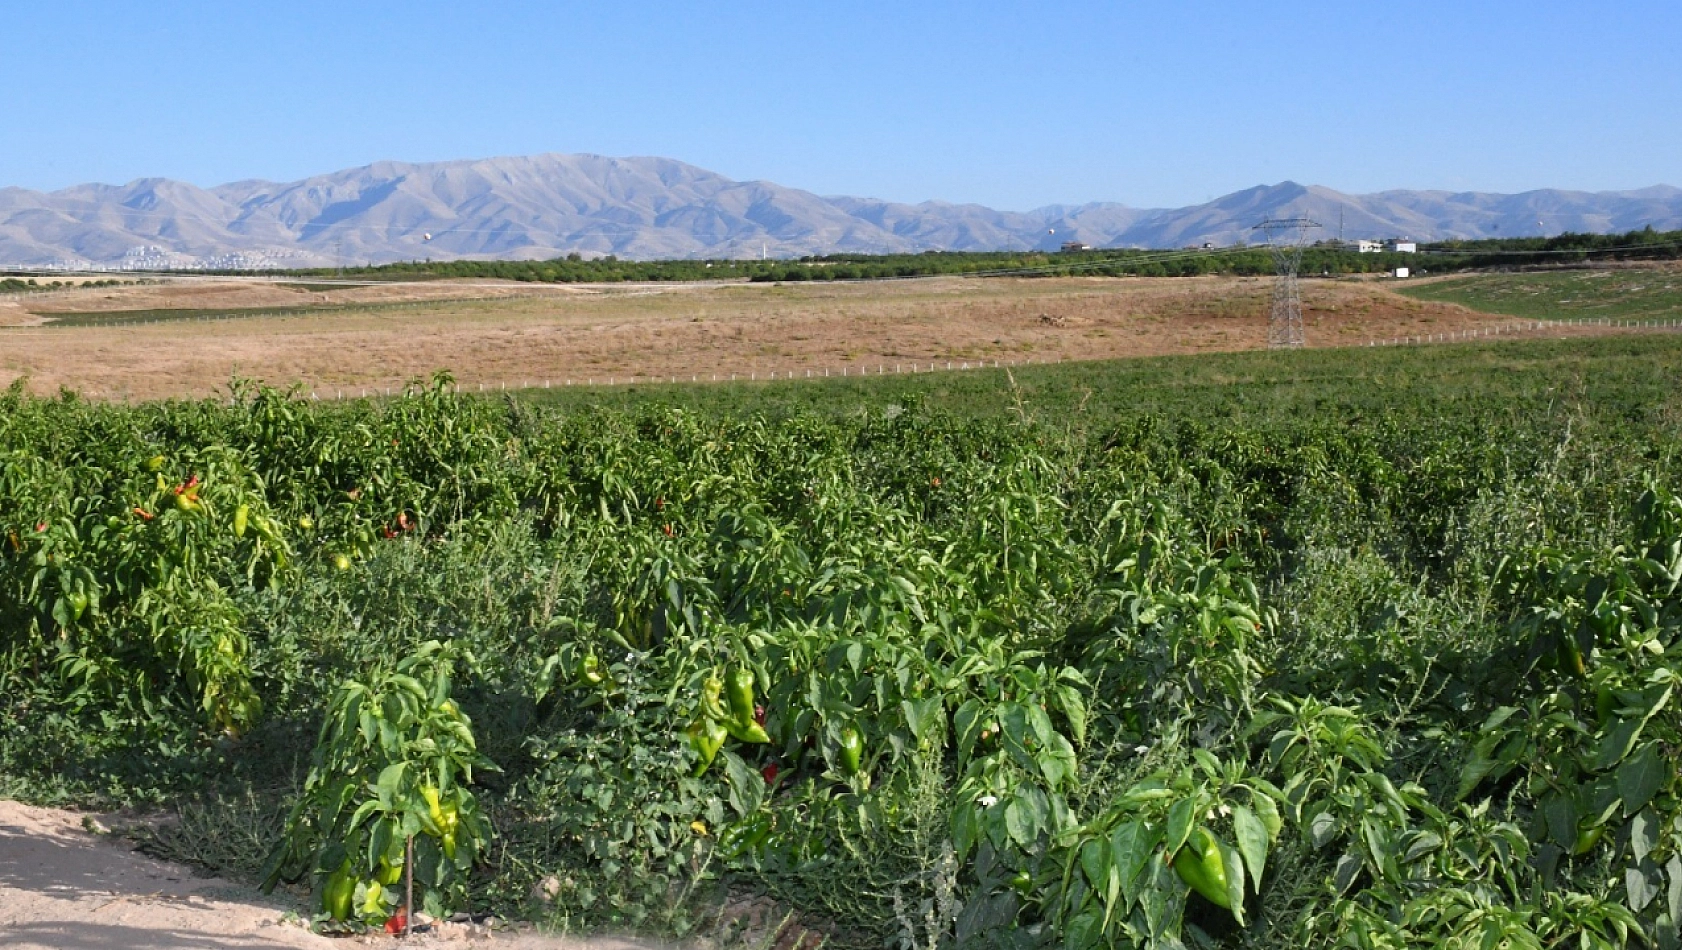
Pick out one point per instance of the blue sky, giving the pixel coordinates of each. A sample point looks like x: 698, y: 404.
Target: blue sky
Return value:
x: 1014, y: 105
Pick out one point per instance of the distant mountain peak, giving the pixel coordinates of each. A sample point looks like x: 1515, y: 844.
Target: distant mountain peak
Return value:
x: 549, y: 205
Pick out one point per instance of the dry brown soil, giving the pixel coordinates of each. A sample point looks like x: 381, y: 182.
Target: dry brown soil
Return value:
x: 64, y: 888
x: 528, y: 334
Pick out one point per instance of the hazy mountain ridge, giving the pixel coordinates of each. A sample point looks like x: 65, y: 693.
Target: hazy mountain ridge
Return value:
x: 550, y: 205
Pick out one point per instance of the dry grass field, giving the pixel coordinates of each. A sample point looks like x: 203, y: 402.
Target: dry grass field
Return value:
x: 496, y: 333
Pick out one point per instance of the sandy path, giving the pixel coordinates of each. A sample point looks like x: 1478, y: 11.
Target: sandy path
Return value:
x: 62, y: 888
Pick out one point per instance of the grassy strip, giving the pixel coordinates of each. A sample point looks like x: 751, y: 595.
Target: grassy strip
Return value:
x: 1644, y: 294
x: 98, y: 318
x: 1631, y: 376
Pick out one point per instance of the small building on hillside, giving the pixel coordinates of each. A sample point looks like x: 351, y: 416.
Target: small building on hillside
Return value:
x: 1368, y: 247
x: 1069, y: 247
x: 1401, y: 246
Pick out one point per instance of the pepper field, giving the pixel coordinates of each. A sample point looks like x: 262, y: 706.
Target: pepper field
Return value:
x: 1353, y: 648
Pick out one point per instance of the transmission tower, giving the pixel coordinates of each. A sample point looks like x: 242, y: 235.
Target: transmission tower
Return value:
x: 1286, y: 237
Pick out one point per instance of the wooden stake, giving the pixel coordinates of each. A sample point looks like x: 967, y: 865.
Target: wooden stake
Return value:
x: 409, y: 886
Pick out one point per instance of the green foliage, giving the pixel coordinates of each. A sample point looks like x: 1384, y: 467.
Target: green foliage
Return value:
x: 1348, y: 663
x: 1249, y: 393
x: 1612, y: 294
x: 1324, y: 258
x: 386, y: 795
x: 23, y: 285
x: 122, y: 578
x: 1571, y: 247
x: 1107, y: 263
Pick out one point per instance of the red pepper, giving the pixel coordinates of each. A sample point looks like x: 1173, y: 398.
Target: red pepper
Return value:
x: 42, y: 526
x: 770, y: 773
x: 144, y: 514
x: 394, y: 923
x: 759, y: 714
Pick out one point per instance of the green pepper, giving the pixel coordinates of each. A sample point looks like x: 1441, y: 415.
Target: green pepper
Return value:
x: 749, y: 731
x: 241, y: 514
x: 1606, y: 702
x: 852, y: 750
x: 1587, y: 838
x: 373, y: 899
x: 388, y: 873
x: 1571, y: 656
x: 1200, y: 866
x: 338, y: 893
x: 590, y: 669
x: 740, y: 688
x: 434, y: 810
x: 444, y: 817
x: 712, y: 692
x: 706, y: 737
x: 270, y: 532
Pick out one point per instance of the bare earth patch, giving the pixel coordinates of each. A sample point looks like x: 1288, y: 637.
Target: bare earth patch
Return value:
x: 535, y: 334
x: 62, y: 888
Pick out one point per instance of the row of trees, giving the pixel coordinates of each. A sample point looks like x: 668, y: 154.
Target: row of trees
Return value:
x: 1328, y: 258
x: 1114, y: 263
x: 19, y: 285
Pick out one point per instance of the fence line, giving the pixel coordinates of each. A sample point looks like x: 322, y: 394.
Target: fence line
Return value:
x: 1475, y: 333
x: 1507, y: 329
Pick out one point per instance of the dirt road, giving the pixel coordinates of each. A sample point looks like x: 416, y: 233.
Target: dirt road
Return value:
x: 64, y: 888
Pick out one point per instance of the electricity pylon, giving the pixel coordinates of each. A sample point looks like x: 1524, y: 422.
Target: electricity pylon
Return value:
x: 1286, y: 237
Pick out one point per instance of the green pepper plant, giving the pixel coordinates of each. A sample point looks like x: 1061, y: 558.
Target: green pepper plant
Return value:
x: 391, y: 768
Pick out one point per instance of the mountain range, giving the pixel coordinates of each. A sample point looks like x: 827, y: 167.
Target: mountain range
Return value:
x: 546, y: 206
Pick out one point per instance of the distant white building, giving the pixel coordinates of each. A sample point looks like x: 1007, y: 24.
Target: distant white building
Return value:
x: 1394, y: 246
x: 1073, y: 246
